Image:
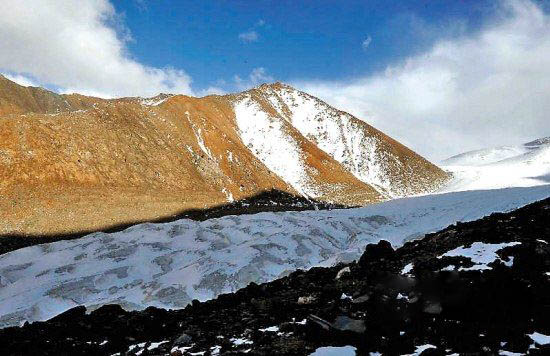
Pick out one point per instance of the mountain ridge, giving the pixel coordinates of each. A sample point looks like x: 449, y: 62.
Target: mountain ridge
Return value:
x: 500, y: 167
x: 67, y: 161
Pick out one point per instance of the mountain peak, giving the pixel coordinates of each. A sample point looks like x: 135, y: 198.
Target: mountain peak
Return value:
x: 276, y: 86
x: 188, y: 153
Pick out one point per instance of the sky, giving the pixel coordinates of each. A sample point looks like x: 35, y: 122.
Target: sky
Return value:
x: 442, y: 77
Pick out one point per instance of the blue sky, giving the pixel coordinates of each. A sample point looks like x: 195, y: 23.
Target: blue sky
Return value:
x: 294, y: 39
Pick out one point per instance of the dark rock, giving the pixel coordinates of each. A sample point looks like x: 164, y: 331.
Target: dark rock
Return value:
x: 343, y: 323
x: 432, y: 307
x: 73, y: 314
x: 361, y: 299
x: 183, y: 340
x: 374, y: 252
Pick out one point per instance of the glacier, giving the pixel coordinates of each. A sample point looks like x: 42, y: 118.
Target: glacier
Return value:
x: 169, y: 264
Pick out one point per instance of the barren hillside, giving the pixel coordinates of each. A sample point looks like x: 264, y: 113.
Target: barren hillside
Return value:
x: 71, y: 163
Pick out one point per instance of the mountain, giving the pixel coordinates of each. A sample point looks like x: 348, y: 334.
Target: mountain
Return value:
x: 72, y: 163
x: 476, y: 288
x: 372, y: 157
x: 170, y: 264
x: 501, y: 167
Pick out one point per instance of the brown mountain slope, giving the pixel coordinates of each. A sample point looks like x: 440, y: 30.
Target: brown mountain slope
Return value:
x: 16, y: 99
x: 71, y: 163
x: 117, y: 163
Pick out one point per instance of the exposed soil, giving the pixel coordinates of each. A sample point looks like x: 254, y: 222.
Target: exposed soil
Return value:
x: 390, y: 301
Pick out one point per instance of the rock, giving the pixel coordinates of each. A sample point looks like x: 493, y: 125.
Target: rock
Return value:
x: 361, y: 299
x: 344, y: 323
x: 342, y: 272
x: 310, y: 299
x: 341, y: 323
x: 321, y: 323
x: 183, y: 340
x: 432, y: 307
x: 71, y: 314
x: 383, y: 250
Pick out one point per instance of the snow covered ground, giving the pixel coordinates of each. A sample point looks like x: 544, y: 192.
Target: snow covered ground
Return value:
x: 501, y: 167
x: 169, y: 264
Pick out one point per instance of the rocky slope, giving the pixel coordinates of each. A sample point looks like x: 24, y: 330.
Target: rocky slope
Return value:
x: 70, y: 163
x: 481, y: 287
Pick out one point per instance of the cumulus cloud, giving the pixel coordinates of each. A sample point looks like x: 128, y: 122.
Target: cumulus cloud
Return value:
x: 485, y: 89
x: 79, y: 46
x: 20, y: 79
x: 365, y: 44
x: 212, y: 90
x: 250, y: 36
x: 257, y: 76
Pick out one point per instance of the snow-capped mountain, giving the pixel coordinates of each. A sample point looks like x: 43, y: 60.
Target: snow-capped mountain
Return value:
x: 372, y: 157
x: 500, y: 167
x: 72, y: 163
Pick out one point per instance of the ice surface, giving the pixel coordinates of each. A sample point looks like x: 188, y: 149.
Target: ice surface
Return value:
x: 170, y: 264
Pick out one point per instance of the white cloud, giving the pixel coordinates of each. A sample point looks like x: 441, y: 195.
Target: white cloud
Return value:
x: 250, y: 36
x: 75, y: 45
x: 20, y: 79
x: 257, y: 76
x: 365, y: 44
x: 489, y: 88
x: 260, y: 23
x: 212, y: 90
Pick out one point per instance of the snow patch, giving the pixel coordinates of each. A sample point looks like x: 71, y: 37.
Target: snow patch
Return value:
x: 273, y: 329
x: 335, y: 351
x: 238, y: 341
x: 153, y: 101
x: 419, y: 349
x: 539, y: 338
x: 228, y: 195
x: 407, y: 269
x: 481, y: 254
